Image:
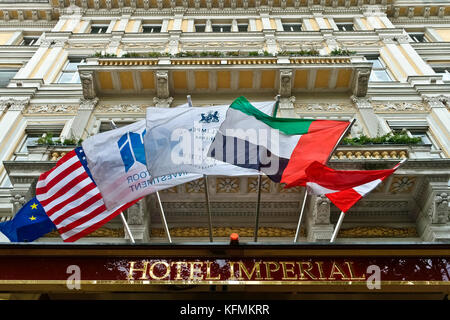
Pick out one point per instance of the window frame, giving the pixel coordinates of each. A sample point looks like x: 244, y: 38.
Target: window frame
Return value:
x: 75, y: 79
x: 383, y: 68
x: 100, y: 26
x: 6, y: 70
x: 151, y: 26
x: 290, y: 24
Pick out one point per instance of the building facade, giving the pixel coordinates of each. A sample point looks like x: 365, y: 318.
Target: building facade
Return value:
x: 69, y: 67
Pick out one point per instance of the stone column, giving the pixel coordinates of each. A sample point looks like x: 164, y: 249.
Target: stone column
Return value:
x: 318, y: 223
x: 163, y: 98
x: 439, y: 119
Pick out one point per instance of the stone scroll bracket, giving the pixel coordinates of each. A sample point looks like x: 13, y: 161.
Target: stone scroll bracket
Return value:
x: 317, y: 219
x: 137, y: 219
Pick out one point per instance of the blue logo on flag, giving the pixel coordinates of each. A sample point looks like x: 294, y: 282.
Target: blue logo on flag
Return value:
x: 210, y: 117
x: 131, y: 146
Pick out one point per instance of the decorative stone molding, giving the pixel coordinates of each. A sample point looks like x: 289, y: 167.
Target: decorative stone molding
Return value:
x: 135, y: 214
x: 162, y: 84
x: 194, y: 232
x: 362, y: 103
x: 87, y: 83
x: 437, y: 101
x: 321, y: 210
x: 162, y: 103
x: 318, y: 107
x: 48, y: 109
x: 361, y: 153
x: 87, y: 104
x: 252, y: 186
x: 318, y: 219
x: 285, y: 83
x: 361, y: 82
x: 196, y: 186
x: 18, y: 201
x: 400, y: 107
x: 402, y: 184
x: 121, y: 108
x: 227, y: 185
x: 15, y: 104
x: 378, y: 232
x: 440, y: 211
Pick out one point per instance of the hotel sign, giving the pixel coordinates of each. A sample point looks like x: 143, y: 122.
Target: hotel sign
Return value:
x: 141, y: 271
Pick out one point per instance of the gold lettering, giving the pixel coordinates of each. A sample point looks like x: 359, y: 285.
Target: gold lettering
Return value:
x: 193, y: 275
x: 337, y: 269
x: 321, y: 274
x: 178, y: 263
x: 285, y: 269
x: 208, y: 272
x: 232, y: 273
x: 307, y: 271
x: 256, y: 269
x: 133, y: 269
x: 152, y: 267
x: 269, y: 270
x: 352, y: 272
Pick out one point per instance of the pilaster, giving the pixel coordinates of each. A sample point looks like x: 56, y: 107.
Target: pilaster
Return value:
x: 84, y: 113
x: 367, y: 115
x: 137, y: 221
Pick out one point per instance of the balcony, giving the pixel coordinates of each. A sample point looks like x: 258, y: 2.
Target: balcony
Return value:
x: 165, y: 77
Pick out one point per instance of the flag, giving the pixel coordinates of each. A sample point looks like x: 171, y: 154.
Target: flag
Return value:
x: 282, y: 148
x: 117, y: 161
x: 71, y: 199
x: 344, y: 187
x: 30, y: 223
x: 179, y: 139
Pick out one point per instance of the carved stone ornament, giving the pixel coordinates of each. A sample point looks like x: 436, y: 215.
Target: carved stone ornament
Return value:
x: 88, y: 104
x: 121, y: 108
x: 437, y: 101
x: 400, y: 106
x: 321, y: 210
x: 162, y: 84
x: 362, y: 103
x: 285, y: 83
x: 328, y: 107
x: 162, y: 103
x: 87, y: 82
x: 362, y: 82
x: 136, y: 214
x: 440, y: 211
x: 51, y: 109
x: 15, y: 104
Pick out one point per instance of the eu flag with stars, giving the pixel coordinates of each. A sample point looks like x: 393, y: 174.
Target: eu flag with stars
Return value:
x: 29, y: 223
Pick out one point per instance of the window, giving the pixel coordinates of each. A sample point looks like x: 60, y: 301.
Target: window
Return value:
x: 31, y: 139
x: 242, y: 27
x: 379, y: 71
x: 106, y: 125
x: 99, y: 28
x: 6, y: 182
x: 150, y: 28
x: 200, y: 28
x: 70, y: 73
x: 292, y: 27
x: 221, y: 28
x: 418, y: 37
x: 6, y: 75
x: 29, y: 41
x: 345, y: 26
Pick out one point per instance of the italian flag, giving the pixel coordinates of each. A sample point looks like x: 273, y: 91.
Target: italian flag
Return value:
x: 282, y: 148
x: 344, y: 187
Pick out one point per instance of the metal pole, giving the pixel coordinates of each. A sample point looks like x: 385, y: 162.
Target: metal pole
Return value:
x: 257, y: 209
x: 297, y: 232
x: 124, y: 221
x: 338, y: 226
x: 340, y: 138
x: 208, y: 208
x: 163, y: 218
x: 189, y: 100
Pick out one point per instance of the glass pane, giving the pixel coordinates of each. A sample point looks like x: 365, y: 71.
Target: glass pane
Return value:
x: 242, y: 27
x: 6, y: 183
x: 200, y: 28
x: 292, y: 27
x: 29, y: 141
x: 6, y: 76
x: 376, y: 63
x: 221, y: 28
x: 422, y: 135
x: 379, y: 75
x: 66, y: 77
x: 151, y: 29
x: 72, y: 66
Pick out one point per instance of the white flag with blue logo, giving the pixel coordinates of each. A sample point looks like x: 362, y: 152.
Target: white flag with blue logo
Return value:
x: 116, y: 159
x: 178, y: 139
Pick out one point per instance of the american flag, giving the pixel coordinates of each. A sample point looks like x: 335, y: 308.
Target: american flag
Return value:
x: 71, y: 198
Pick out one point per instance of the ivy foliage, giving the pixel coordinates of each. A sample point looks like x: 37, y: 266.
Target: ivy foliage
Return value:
x: 396, y: 138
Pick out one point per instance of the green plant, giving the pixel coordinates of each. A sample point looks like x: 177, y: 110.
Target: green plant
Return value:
x: 342, y: 52
x: 253, y: 54
x: 396, y: 138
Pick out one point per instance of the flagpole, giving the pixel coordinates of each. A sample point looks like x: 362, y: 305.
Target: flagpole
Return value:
x: 340, y: 138
x: 297, y: 232
x: 163, y: 218
x: 208, y: 208
x: 258, y: 204
x: 338, y: 226
x: 124, y: 221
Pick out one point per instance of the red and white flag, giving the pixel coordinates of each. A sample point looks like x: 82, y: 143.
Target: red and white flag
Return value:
x: 71, y: 198
x: 344, y: 187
